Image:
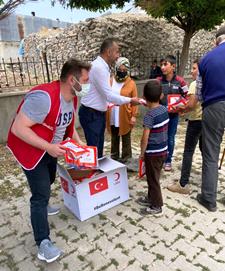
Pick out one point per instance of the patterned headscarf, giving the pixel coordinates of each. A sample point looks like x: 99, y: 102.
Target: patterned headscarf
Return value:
x: 123, y: 61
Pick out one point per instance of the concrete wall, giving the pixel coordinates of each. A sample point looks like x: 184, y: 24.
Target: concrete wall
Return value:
x: 10, y: 101
x: 8, y: 105
x: 9, y: 49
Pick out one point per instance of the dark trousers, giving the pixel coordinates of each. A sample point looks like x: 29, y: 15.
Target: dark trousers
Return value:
x: 213, y: 125
x: 115, y: 144
x: 40, y: 179
x: 153, y: 167
x: 193, y: 135
x: 93, y: 124
x: 172, y: 129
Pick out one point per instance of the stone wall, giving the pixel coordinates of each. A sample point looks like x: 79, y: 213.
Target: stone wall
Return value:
x: 141, y: 38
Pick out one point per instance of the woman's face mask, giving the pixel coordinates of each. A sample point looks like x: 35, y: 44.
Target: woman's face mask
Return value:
x: 121, y: 74
x: 84, y: 89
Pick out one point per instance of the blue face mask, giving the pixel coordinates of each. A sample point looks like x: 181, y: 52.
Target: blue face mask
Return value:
x: 84, y: 89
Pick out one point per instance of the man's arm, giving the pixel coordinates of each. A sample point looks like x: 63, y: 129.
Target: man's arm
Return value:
x: 144, y: 141
x: 198, y: 92
x: 22, y: 129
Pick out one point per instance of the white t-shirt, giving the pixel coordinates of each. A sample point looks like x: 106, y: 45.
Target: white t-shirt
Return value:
x: 115, y: 111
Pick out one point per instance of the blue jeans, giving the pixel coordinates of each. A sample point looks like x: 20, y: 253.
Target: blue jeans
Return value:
x: 193, y: 135
x: 172, y: 129
x: 40, y: 179
x: 93, y: 124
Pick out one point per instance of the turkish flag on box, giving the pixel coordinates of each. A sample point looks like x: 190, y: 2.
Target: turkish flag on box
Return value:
x: 98, y: 185
x: 98, y: 193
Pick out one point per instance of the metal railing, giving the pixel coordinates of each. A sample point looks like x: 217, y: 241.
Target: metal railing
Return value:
x: 29, y: 72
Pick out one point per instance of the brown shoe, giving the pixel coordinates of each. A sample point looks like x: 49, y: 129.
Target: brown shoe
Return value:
x: 177, y: 188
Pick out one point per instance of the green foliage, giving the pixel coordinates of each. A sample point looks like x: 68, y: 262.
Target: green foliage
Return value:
x: 189, y: 15
x: 92, y: 5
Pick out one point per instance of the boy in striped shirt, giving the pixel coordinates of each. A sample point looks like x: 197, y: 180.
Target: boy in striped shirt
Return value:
x: 153, y: 147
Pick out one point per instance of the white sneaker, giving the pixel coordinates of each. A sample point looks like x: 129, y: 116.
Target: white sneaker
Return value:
x: 48, y: 252
x: 167, y: 167
x: 53, y: 210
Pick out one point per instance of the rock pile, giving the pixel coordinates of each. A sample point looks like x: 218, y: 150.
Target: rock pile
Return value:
x: 141, y: 38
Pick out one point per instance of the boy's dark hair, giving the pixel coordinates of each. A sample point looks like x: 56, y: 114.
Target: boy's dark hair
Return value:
x: 196, y: 61
x: 107, y: 43
x: 152, y: 91
x: 171, y: 59
x: 73, y: 66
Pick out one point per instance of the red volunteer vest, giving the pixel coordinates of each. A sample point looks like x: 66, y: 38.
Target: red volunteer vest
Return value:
x: 27, y: 155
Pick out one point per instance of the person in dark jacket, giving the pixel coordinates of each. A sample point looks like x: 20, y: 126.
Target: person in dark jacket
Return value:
x: 155, y: 70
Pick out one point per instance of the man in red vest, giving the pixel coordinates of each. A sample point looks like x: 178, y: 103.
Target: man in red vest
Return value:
x: 44, y: 118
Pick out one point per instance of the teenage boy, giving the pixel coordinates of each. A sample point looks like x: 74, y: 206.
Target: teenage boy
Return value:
x: 153, y: 147
x: 193, y: 136
x: 171, y: 84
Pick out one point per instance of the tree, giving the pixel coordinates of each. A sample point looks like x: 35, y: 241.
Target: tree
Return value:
x: 189, y: 15
x: 8, y: 7
x: 92, y: 5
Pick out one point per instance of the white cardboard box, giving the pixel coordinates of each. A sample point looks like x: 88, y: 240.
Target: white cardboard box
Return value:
x: 96, y: 194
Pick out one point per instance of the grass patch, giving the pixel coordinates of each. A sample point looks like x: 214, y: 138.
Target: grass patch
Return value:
x: 62, y: 235
x: 185, y: 212
x: 102, y: 217
x: 114, y: 262
x: 212, y: 240
x: 9, y: 191
x: 63, y: 217
x: 131, y: 262
x: 81, y: 258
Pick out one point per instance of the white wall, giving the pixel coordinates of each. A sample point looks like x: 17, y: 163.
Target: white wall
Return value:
x: 9, y: 49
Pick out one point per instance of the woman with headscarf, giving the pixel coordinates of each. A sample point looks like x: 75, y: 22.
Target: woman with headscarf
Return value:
x: 121, y: 119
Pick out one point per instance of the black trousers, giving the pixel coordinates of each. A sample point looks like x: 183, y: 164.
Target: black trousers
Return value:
x: 193, y: 136
x: 93, y: 124
x: 40, y: 179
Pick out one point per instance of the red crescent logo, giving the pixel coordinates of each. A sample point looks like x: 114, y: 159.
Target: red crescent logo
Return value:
x: 117, y: 176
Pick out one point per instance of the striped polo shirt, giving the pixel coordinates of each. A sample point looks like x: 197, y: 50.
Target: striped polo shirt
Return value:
x: 156, y: 119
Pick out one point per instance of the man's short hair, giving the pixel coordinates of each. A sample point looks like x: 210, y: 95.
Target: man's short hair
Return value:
x: 73, y: 66
x: 171, y: 59
x: 107, y: 43
x: 220, y: 38
x: 220, y: 31
x: 152, y: 91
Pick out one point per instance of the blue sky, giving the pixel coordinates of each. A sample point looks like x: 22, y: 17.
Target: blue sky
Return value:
x: 43, y: 8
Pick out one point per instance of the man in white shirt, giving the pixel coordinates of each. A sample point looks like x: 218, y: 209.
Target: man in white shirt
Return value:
x: 94, y: 105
